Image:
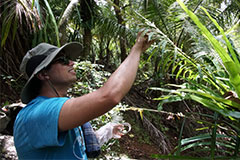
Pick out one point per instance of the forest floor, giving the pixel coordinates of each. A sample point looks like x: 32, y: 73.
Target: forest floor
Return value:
x: 140, y: 143
x: 137, y: 149
x: 137, y: 144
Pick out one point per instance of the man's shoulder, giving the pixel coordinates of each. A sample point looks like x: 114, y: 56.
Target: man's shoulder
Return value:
x: 42, y: 104
x: 41, y: 100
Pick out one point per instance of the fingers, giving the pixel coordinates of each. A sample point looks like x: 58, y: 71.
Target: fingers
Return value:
x: 118, y: 129
x: 142, y: 36
x: 143, y: 39
x: 148, y: 44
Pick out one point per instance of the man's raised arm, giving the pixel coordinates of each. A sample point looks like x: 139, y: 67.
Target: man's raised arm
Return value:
x: 77, y: 111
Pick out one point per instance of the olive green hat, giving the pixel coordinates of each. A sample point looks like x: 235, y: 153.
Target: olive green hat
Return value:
x: 39, y: 58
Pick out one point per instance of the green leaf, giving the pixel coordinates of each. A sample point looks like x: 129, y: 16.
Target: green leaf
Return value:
x: 225, y: 38
x: 214, y: 107
x: 196, y: 144
x: 232, y: 68
x: 221, y: 51
x: 6, y: 31
x: 170, y: 99
x: 15, y: 26
x: 180, y: 136
x: 54, y: 21
x: 214, y: 136
x: 194, y: 139
x: 218, y: 99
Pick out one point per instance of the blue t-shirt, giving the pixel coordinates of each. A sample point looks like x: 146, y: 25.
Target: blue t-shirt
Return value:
x: 36, y: 134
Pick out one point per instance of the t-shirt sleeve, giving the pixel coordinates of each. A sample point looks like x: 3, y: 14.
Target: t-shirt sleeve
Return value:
x: 43, y: 124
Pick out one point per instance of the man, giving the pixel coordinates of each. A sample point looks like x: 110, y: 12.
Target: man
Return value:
x: 47, y: 128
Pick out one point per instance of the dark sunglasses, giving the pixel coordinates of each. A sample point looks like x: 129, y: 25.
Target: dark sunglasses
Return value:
x: 62, y: 60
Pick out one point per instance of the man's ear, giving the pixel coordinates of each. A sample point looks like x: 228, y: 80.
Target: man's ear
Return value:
x: 43, y: 76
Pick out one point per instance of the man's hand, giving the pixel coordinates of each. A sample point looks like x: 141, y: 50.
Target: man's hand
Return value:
x: 142, y: 41
x: 118, y: 131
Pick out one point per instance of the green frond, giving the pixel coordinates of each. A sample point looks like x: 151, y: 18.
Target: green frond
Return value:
x: 12, y: 16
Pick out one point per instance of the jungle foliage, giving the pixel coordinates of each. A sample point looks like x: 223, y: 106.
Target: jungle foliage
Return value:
x: 194, y: 61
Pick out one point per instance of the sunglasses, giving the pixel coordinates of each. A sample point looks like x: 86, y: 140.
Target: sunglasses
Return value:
x: 62, y: 60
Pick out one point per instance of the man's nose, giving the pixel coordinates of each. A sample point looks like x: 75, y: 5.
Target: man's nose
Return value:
x: 71, y: 63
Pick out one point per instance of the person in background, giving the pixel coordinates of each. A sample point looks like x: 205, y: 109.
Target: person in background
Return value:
x: 54, y: 126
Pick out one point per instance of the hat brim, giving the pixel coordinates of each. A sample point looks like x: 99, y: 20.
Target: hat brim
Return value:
x: 73, y: 50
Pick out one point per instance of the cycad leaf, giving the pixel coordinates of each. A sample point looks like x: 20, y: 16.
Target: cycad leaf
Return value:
x: 221, y: 51
x: 170, y: 99
x: 213, y: 106
x: 200, y: 137
x: 224, y: 37
x: 196, y: 144
x: 231, y: 67
x: 194, y: 139
x: 218, y: 99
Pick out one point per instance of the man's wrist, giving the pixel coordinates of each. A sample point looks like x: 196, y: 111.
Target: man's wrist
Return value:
x: 137, y: 48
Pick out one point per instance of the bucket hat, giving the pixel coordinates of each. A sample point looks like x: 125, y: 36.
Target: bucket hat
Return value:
x: 43, y: 54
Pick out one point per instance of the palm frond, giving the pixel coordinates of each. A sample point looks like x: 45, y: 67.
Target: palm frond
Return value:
x: 12, y: 14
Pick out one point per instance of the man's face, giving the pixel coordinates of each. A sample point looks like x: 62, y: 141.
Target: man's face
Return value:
x: 61, y: 71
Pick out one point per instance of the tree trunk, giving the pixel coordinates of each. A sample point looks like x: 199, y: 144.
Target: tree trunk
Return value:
x: 101, y: 50
x: 87, y: 41
x: 64, y: 20
x: 108, y: 53
x: 86, y: 11
x: 121, y: 39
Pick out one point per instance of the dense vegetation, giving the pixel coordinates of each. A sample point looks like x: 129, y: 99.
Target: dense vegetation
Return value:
x: 191, y: 73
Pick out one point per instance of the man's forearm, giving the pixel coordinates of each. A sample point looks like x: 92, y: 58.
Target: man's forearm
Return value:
x: 122, y: 79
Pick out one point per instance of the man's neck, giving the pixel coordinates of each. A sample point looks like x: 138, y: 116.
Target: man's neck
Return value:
x: 50, y: 90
